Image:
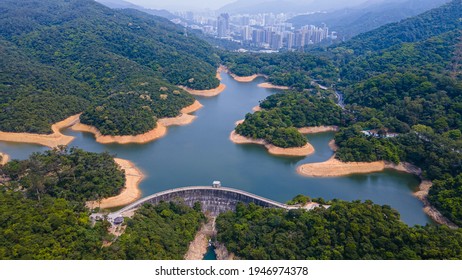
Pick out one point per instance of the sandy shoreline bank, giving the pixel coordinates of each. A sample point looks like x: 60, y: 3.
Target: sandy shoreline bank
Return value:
x: 131, y: 191
x: 306, y: 150
x: 270, y: 85
x: 206, y: 93
x: 50, y: 140
x: 57, y: 138
x: 274, y: 150
x: 245, y: 79
x: 160, y: 131
x: 156, y: 133
x: 209, y: 92
x: 430, y: 210
x: 5, y: 158
x: 184, y: 118
x: 336, y: 168
x: 242, y: 79
x: 257, y: 108
x: 192, y: 108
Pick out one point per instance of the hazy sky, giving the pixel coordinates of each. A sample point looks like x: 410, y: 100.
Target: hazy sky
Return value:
x: 215, y: 4
x: 182, y: 4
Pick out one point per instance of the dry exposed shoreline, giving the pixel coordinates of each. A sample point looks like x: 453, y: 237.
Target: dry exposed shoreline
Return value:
x: 257, y: 108
x: 430, y: 210
x: 149, y: 136
x: 274, y: 150
x: 245, y: 79
x: 306, y: 150
x: 57, y: 138
x: 5, y: 158
x: 209, y: 92
x: 206, y: 93
x: 241, y: 79
x: 131, y: 191
x: 160, y: 131
x: 50, y: 140
x: 335, y: 168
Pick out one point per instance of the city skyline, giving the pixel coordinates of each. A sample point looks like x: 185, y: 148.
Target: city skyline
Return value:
x: 201, y: 5
x: 182, y: 4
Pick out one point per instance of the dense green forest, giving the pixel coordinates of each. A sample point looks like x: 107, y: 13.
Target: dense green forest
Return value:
x: 55, y: 228
x: 402, y: 85
x: 65, y: 57
x: 403, y: 92
x: 292, y: 69
x: 419, y: 28
x: 49, y: 229
x: 72, y: 174
x: 42, y: 204
x: 406, y: 78
x: 43, y: 214
x: 284, y: 112
x: 34, y: 95
x: 446, y: 196
x: 136, y: 111
x: 347, y: 230
x: 161, y: 232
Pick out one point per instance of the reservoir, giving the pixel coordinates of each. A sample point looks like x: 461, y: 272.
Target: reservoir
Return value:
x: 199, y: 153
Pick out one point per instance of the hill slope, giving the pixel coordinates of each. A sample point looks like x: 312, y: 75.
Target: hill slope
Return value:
x: 406, y: 77
x: 120, y: 4
x: 103, y: 53
x: 286, y: 6
x: 349, y: 22
x: 429, y: 24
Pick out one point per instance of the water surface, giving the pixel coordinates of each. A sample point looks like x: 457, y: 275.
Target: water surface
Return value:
x: 199, y: 153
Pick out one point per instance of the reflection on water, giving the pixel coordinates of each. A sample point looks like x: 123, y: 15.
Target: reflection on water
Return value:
x: 201, y: 152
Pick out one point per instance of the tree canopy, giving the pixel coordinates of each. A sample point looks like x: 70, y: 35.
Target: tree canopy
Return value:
x: 347, y: 230
x: 66, y: 57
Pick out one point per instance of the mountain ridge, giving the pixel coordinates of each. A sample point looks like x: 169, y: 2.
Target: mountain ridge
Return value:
x: 352, y: 21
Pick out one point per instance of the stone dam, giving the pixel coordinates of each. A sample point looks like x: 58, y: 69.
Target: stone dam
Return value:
x: 214, y: 200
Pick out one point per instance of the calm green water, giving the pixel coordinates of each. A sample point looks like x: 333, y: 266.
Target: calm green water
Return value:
x: 210, y: 254
x: 201, y: 152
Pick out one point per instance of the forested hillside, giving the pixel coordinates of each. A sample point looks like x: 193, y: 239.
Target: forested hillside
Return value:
x: 419, y: 28
x: 42, y: 204
x: 291, y: 69
x: 406, y: 78
x: 347, y: 230
x: 402, y: 85
x: 161, y: 232
x: 83, y: 53
x: 43, y: 213
x: 285, y: 112
x: 72, y: 174
x: 367, y: 16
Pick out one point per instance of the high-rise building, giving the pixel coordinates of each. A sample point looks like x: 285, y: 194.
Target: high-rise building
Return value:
x: 246, y: 33
x: 258, y: 36
x: 223, y: 25
x: 290, y: 40
x: 276, y: 41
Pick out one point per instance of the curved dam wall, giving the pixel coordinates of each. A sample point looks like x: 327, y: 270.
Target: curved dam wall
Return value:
x: 213, y: 200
